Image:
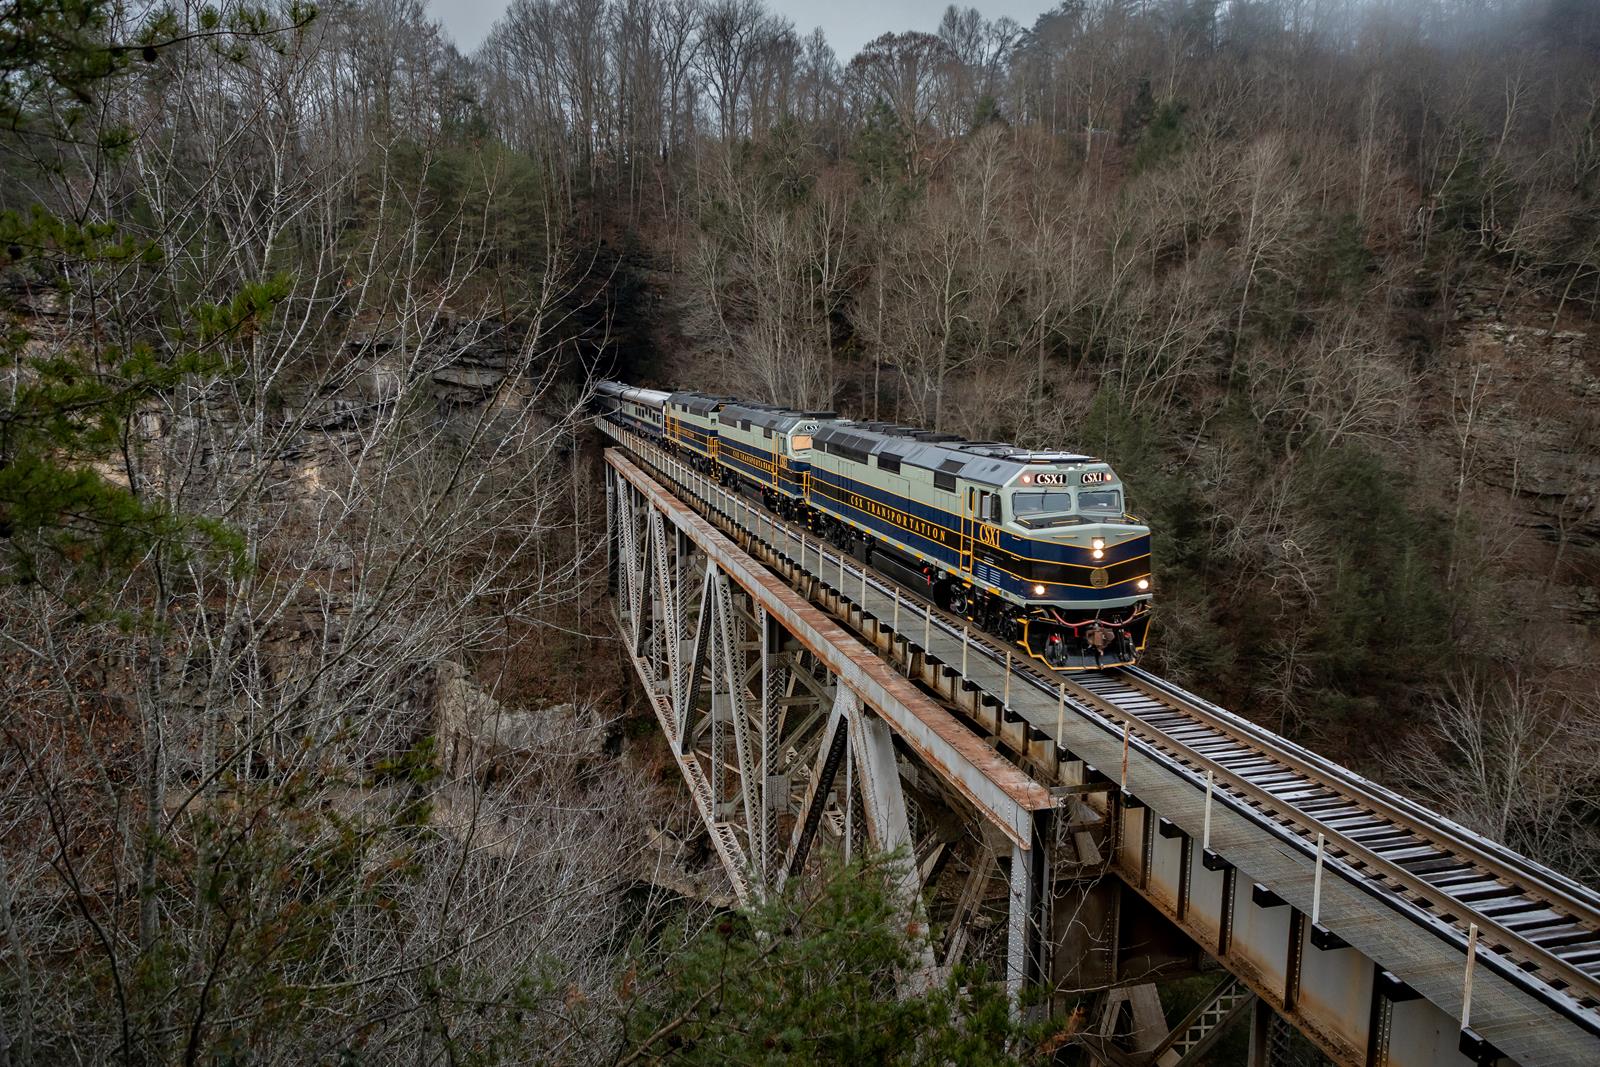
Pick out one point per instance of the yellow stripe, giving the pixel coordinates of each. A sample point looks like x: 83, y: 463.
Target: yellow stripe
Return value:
x: 821, y: 491
x: 810, y: 488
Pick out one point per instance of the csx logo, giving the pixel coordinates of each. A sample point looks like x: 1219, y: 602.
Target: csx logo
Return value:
x: 919, y: 527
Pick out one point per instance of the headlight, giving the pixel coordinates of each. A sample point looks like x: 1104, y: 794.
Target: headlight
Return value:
x: 1098, y: 553
x: 1142, y: 584
x: 1098, y: 543
x: 1038, y: 590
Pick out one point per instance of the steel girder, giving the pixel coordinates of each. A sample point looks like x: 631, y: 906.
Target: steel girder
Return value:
x: 790, y: 754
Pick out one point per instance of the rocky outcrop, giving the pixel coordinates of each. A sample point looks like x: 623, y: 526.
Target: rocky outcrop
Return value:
x: 1532, y: 397
x: 461, y: 363
x: 1516, y: 405
x: 474, y: 728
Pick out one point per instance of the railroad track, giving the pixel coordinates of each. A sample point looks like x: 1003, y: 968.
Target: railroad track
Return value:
x: 1541, y: 923
x: 1536, y: 927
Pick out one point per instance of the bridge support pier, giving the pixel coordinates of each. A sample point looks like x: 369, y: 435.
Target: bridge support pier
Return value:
x: 1261, y: 1022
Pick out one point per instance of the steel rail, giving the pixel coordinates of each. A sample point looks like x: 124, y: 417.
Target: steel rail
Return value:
x: 1447, y: 907
x: 1561, y: 894
x: 1360, y: 864
x: 1580, y: 900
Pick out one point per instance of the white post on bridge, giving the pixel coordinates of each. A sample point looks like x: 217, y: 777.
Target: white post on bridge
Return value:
x: 1316, y: 880
x: 1466, y: 989
x: 1126, y: 729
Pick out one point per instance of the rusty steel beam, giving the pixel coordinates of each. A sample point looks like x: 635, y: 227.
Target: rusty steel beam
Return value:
x: 1005, y: 795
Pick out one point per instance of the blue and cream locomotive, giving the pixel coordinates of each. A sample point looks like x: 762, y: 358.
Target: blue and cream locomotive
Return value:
x: 1034, y: 547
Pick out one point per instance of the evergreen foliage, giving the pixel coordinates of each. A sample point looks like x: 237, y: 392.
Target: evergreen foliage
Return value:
x: 816, y: 976
x: 1161, y: 138
x: 69, y: 415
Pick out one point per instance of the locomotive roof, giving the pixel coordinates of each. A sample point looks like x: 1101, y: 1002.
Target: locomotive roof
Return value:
x: 989, y: 462
x: 623, y: 391
x: 771, y: 417
x: 700, y: 403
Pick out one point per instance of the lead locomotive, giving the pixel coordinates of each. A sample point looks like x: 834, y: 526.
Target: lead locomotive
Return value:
x: 1034, y: 547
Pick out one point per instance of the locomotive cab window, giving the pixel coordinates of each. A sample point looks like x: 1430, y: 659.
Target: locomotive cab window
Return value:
x: 1042, y: 502
x: 1100, y: 502
x: 800, y: 442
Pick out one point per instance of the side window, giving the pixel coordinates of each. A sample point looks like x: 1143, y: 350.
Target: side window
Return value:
x: 994, y: 509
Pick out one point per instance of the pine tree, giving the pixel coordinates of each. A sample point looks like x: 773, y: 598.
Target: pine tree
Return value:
x: 814, y: 975
x: 70, y: 404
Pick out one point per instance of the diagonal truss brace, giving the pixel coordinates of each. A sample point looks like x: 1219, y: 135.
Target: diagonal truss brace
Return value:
x: 786, y: 731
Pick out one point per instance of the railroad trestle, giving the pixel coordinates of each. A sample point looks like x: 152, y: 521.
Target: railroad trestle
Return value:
x: 787, y: 736
x: 1062, y: 831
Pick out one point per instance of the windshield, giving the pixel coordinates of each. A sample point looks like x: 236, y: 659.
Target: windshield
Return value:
x: 1100, y: 502
x: 1043, y: 502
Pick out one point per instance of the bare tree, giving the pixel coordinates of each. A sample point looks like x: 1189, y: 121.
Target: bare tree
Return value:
x: 1512, y: 757
x: 904, y: 70
x: 268, y: 847
x: 733, y: 35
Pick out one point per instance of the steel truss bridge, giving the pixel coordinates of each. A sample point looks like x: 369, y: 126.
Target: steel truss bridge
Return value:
x: 1080, y: 834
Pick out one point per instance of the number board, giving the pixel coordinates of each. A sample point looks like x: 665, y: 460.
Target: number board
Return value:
x: 1096, y: 477
x: 1050, y: 478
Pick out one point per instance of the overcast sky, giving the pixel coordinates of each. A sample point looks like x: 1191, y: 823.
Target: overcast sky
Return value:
x: 849, y: 24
